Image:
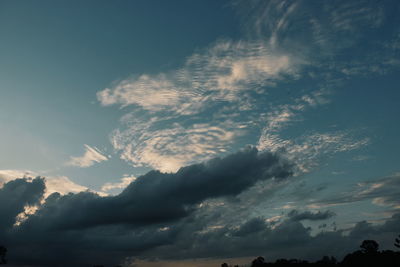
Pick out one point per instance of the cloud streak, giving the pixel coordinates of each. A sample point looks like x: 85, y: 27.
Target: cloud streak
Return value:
x: 91, y: 156
x: 295, y: 215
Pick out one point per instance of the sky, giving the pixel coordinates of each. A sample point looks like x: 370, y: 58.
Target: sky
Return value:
x: 188, y: 133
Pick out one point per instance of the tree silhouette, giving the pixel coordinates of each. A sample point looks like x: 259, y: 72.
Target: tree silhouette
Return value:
x: 259, y: 261
x: 397, y: 242
x: 3, y: 252
x: 370, y: 246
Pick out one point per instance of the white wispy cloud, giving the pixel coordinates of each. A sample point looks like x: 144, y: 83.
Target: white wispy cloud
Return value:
x: 167, y: 149
x: 200, y: 109
x: 305, y: 150
x: 63, y: 185
x: 383, y: 191
x: 219, y: 73
x: 91, y: 156
x: 186, y: 115
x: 124, y: 182
x: 8, y: 175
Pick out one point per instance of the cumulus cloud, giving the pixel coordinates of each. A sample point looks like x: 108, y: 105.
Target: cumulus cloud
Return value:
x: 197, y: 112
x: 91, y: 156
x: 161, y: 197
x: 112, y: 230
x: 148, y: 207
x: 15, y: 195
x: 289, y: 237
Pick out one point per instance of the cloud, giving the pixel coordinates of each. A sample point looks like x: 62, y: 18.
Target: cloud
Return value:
x: 198, y: 109
x: 161, y: 197
x: 202, y: 110
x: 145, y: 212
x: 305, y: 150
x: 217, y: 79
x: 289, y: 238
x: 295, y: 215
x: 381, y: 192
x: 231, y: 85
x: 221, y: 72
x: 114, y: 235
x: 167, y: 149
x: 60, y: 184
x: 8, y: 175
x: 252, y: 226
x: 92, y: 155
x: 150, y: 93
x: 15, y: 195
x: 125, y: 181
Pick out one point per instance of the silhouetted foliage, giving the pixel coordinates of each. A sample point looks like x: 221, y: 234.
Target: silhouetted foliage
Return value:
x: 3, y: 252
x: 397, y: 242
x: 259, y: 261
x: 368, y: 256
x: 370, y: 246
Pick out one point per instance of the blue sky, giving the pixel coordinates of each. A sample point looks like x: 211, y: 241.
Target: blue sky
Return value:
x: 95, y: 94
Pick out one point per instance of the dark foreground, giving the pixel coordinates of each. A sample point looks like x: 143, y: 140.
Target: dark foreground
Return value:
x: 369, y: 255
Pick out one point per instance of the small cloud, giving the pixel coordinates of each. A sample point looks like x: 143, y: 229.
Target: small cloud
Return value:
x: 124, y: 182
x: 92, y: 155
x: 8, y: 175
x: 63, y: 185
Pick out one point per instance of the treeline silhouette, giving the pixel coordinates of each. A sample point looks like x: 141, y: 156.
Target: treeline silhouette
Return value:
x: 3, y: 252
x: 368, y: 255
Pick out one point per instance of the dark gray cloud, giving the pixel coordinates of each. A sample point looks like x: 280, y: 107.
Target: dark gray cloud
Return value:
x: 147, y: 214
x: 286, y: 239
x: 17, y: 194
x: 254, y: 225
x: 206, y: 231
x: 159, y: 216
x: 295, y: 215
x: 162, y: 197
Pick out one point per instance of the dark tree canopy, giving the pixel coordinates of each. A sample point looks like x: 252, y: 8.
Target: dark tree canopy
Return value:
x: 397, y: 242
x: 368, y: 256
x: 3, y: 252
x: 369, y: 246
